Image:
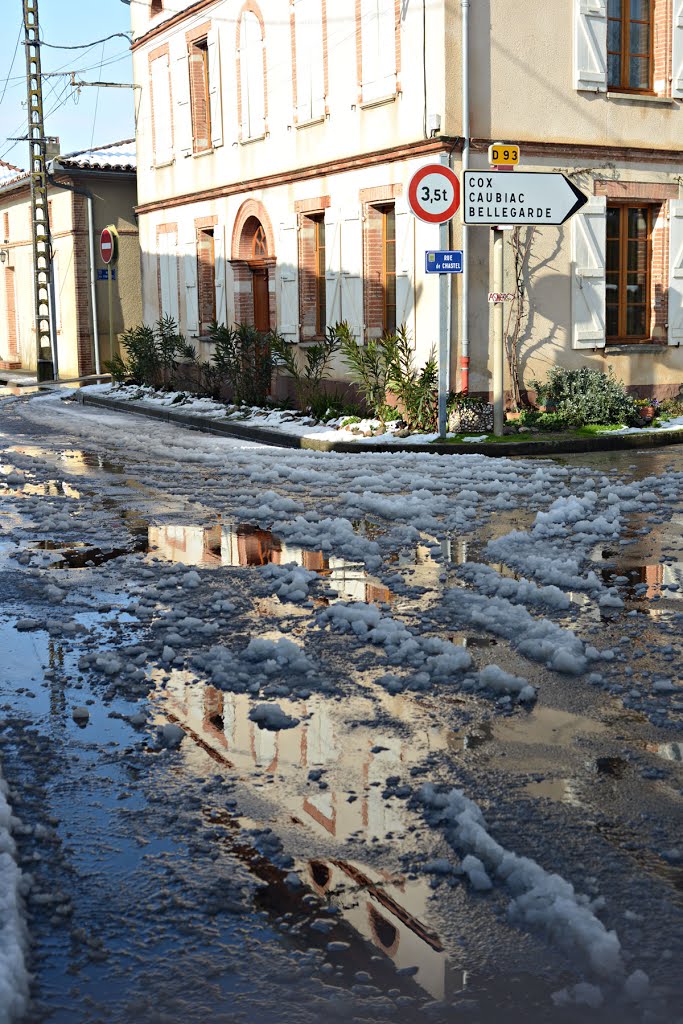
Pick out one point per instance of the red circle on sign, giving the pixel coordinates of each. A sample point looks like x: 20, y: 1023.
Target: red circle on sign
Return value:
x: 414, y: 200
x: 106, y: 246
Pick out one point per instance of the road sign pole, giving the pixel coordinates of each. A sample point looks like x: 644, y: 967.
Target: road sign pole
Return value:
x: 444, y: 354
x: 498, y: 342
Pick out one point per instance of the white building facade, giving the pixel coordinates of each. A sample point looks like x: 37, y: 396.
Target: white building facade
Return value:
x: 276, y: 141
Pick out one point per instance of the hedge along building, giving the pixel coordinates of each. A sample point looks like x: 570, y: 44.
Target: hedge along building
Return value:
x: 105, y: 179
x: 276, y: 141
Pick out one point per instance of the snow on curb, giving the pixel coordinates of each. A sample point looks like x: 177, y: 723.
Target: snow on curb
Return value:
x: 14, y: 978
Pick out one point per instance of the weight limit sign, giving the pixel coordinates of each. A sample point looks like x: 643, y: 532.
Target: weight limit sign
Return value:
x: 434, y: 194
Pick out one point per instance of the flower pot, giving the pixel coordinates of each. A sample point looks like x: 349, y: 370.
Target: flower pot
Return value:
x: 647, y: 413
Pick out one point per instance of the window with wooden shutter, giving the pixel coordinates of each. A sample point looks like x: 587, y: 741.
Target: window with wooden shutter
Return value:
x: 628, y: 272
x: 630, y: 25
x: 206, y: 279
x: 308, y: 47
x: 162, y: 131
x: 199, y: 95
x: 675, y: 295
x: 379, y: 27
x: 252, y: 79
x: 167, y: 245
x: 588, y: 274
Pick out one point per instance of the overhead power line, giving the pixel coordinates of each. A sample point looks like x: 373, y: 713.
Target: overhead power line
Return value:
x: 86, y: 46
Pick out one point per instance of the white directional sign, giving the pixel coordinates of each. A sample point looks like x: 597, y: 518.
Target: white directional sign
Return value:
x: 522, y: 197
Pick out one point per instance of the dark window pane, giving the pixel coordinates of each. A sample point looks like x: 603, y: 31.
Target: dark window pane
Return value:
x: 612, y: 321
x: 639, y: 73
x: 614, y: 69
x: 614, y: 36
x: 635, y: 321
x: 637, y: 257
x: 635, y: 289
x: 637, y: 222
x: 614, y: 8
x: 613, y: 255
x: 640, y: 10
x: 639, y: 39
x: 612, y: 222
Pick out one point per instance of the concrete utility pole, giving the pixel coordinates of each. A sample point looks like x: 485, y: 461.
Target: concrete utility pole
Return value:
x: 46, y: 342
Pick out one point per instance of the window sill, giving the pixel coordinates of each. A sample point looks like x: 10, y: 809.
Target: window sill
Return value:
x: 630, y: 348
x: 641, y: 97
x: 203, y: 152
x: 309, y: 124
x: 164, y: 163
x: 380, y: 101
x: 248, y: 142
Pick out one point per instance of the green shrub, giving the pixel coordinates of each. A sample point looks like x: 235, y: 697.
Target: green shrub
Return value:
x: 152, y: 354
x: 550, y: 421
x: 117, y: 368
x: 243, y: 360
x: 369, y: 368
x: 586, y: 396
x: 308, y: 379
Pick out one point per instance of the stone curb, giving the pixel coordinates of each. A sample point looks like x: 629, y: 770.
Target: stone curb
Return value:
x: 277, y: 439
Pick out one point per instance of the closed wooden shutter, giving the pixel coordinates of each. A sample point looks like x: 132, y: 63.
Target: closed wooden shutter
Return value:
x: 168, y: 274
x: 677, y: 51
x: 405, y: 265
x: 588, y: 274
x: 215, y: 88
x: 220, y: 269
x: 310, y: 81
x: 190, y: 276
x: 352, y: 270
x: 590, y: 45
x: 378, y: 35
x: 332, y: 266
x: 675, y: 336
x: 161, y: 111
x: 288, y: 304
x: 252, y: 114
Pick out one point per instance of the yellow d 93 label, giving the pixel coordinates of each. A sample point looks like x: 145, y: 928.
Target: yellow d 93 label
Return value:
x: 503, y: 154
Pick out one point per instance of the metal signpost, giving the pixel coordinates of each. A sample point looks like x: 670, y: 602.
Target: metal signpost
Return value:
x: 499, y: 199
x: 434, y: 197
x: 109, y: 252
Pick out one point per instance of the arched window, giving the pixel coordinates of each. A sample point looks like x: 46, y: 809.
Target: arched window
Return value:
x: 252, y: 85
x: 309, y: 68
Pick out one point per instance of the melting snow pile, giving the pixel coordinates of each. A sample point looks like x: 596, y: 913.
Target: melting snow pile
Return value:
x: 13, y: 974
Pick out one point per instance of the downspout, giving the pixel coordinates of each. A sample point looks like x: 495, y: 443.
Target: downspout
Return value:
x: 91, y: 255
x: 464, y: 306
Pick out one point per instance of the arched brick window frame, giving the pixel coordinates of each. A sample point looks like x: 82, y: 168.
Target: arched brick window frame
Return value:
x: 250, y: 7
x: 250, y: 208
x: 242, y: 260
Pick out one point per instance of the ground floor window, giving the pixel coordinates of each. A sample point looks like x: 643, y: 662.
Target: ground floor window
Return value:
x: 206, y: 279
x: 380, y: 269
x: 628, y: 272
x: 312, y: 289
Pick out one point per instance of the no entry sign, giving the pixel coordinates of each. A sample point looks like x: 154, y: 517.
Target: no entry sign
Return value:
x: 434, y: 194
x: 108, y: 244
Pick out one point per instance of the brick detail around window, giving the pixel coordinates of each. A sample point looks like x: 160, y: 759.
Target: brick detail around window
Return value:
x: 659, y: 291
x: 373, y: 280
x: 326, y: 60
x: 155, y: 7
x: 164, y: 229
x: 359, y: 51
x: 11, y: 315
x: 312, y: 205
x: 308, y: 277
x: 244, y: 294
x: 199, y: 87
x: 292, y: 36
x: 632, y: 191
x: 84, y: 335
x: 5, y: 225
x: 241, y: 245
x: 159, y: 51
x: 206, y: 279
x: 661, y: 47
x: 381, y: 194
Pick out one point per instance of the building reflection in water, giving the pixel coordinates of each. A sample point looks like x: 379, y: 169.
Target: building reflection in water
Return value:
x: 385, y: 908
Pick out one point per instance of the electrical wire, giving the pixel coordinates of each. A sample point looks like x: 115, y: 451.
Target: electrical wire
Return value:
x: 4, y: 90
x: 87, y: 46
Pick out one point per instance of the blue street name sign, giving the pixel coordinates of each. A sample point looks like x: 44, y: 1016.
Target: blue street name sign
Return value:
x: 103, y: 273
x: 443, y: 261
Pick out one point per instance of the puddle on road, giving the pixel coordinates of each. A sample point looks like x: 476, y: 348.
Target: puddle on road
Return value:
x: 542, y: 727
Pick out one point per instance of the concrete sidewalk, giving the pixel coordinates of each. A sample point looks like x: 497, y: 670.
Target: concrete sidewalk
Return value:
x: 280, y: 439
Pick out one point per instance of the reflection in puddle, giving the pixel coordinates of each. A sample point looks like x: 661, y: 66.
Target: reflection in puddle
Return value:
x: 564, y: 791
x: 245, y: 545
x: 388, y: 910
x: 667, y: 751
x: 539, y: 728
x: 18, y: 486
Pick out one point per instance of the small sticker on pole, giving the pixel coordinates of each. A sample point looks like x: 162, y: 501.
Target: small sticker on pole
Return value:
x: 434, y: 194
x: 496, y: 297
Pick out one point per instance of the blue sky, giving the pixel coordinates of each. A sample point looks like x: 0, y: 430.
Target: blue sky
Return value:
x: 96, y: 116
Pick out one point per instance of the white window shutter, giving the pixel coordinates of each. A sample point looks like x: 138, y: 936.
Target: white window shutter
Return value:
x: 168, y: 274
x: 590, y: 45
x: 589, y: 229
x: 332, y: 266
x: 352, y: 270
x: 190, y: 273
x: 161, y: 107
x: 252, y: 115
x: 676, y: 272
x: 215, y: 88
x: 219, y: 271
x: 405, y: 266
x: 310, y: 81
x: 677, y: 51
x: 378, y: 41
x: 183, y: 114
x: 288, y: 260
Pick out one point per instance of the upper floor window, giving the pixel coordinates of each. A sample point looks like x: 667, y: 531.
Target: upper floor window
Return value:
x: 378, y: 51
x: 162, y: 124
x: 252, y: 78
x: 156, y: 7
x: 629, y: 45
x: 309, y: 64
x: 199, y: 95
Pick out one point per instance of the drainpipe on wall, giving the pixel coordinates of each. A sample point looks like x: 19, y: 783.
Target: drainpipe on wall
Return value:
x: 464, y: 308
x: 91, y: 254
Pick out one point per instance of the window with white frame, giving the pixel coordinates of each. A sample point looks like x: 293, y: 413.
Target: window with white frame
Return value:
x: 309, y: 69
x: 252, y: 85
x: 378, y: 32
